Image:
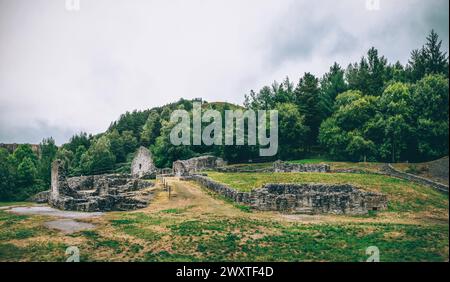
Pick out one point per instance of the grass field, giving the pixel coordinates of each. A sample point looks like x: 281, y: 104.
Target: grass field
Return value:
x: 197, y: 225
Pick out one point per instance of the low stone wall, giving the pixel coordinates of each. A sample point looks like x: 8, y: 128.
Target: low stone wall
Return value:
x: 222, y: 189
x: 390, y: 170
x: 309, y: 198
x: 280, y: 166
x: 232, y: 169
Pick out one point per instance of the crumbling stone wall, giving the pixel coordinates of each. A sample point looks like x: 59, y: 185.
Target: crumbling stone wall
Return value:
x: 90, y: 193
x: 318, y: 198
x: 391, y: 171
x: 193, y: 165
x: 280, y: 166
x: 301, y: 198
x: 142, y: 163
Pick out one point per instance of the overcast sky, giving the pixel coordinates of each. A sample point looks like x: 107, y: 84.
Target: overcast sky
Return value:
x: 64, y: 71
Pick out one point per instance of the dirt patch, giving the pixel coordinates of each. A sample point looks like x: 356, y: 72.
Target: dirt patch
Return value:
x: 45, y: 210
x: 68, y: 226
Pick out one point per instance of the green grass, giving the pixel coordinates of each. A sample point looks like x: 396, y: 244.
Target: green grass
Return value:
x: 261, y: 240
x: 402, y: 195
x: 5, y: 204
x: 213, y: 238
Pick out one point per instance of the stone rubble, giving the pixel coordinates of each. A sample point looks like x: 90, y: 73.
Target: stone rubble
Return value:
x: 106, y: 192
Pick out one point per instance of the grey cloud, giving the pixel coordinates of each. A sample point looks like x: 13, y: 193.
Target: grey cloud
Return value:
x: 62, y: 72
x: 34, y: 133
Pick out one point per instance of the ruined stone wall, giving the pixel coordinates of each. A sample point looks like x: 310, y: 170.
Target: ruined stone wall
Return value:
x: 142, y: 163
x: 280, y: 166
x: 301, y: 198
x: 318, y: 198
x: 105, y: 192
x: 390, y: 170
x: 193, y: 165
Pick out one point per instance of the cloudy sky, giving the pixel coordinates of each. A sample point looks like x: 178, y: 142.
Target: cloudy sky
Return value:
x: 63, y: 70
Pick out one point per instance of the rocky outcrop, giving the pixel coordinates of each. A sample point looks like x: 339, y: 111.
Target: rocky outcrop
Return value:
x: 193, y: 165
x: 106, y: 192
x: 301, y: 198
x: 280, y: 166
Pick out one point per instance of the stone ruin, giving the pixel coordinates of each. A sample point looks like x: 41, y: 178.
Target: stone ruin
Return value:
x: 280, y: 166
x: 193, y: 165
x: 142, y: 164
x: 106, y: 192
x: 305, y: 198
x: 314, y: 198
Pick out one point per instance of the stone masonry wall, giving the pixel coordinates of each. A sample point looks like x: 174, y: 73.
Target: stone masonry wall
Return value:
x: 301, y: 198
x: 142, y: 163
x: 193, y: 165
x: 280, y: 166
x: 104, y: 192
x: 390, y: 170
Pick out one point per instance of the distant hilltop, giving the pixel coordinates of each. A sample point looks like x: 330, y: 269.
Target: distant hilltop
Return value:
x: 13, y: 146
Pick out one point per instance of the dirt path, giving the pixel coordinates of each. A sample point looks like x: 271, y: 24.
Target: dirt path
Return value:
x: 188, y: 195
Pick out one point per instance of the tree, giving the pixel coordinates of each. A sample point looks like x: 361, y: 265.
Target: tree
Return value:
x: 151, y: 129
x: 431, y: 114
x: 436, y: 61
x: 331, y: 84
x: 129, y: 141
x: 99, y: 158
x: 429, y: 59
x: 81, y: 139
x: 7, y: 176
x: 369, y: 75
x: 264, y: 100
x: 48, y: 151
x: 345, y: 134
x: 307, y: 100
x: 26, y: 172
x: 359, y: 147
x: 117, y: 145
x: 165, y: 152
x: 292, y: 131
x: 24, y: 151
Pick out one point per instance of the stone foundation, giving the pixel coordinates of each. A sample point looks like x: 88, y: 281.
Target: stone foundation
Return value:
x: 106, y: 192
x: 311, y: 198
x: 280, y: 166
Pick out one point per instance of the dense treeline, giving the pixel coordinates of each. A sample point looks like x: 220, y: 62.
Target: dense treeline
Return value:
x: 23, y: 173
x: 372, y: 110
